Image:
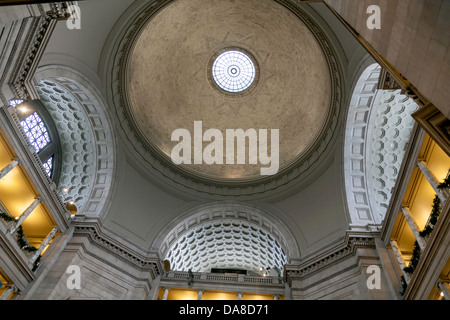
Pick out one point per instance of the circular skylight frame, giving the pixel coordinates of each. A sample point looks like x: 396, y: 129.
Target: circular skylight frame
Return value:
x: 233, y: 71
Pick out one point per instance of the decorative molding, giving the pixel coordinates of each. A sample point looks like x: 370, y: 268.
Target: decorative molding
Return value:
x: 152, y: 265
x: 387, y: 81
x: 28, y: 47
x: 301, y: 272
x: 354, y: 148
x: 35, y: 45
x: 435, y: 124
x: 163, y: 170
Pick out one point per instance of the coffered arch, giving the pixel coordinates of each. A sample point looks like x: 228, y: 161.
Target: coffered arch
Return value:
x: 378, y: 128
x: 227, y: 235
x: 90, y: 166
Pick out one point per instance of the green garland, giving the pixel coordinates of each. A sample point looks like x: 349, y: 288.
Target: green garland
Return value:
x: 414, y: 260
x: 445, y: 183
x: 20, y: 236
x: 7, y: 218
x: 404, y: 285
x: 435, y: 211
x: 23, y: 244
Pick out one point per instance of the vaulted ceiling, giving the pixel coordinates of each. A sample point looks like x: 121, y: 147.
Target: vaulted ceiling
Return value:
x: 148, y: 61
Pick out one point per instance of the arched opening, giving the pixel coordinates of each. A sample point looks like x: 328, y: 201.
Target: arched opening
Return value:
x: 76, y: 137
x: 225, y: 236
x: 378, y: 128
x: 86, y: 139
x: 227, y: 246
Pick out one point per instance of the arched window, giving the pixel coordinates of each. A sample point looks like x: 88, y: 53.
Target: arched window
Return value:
x: 36, y: 131
x: 39, y: 129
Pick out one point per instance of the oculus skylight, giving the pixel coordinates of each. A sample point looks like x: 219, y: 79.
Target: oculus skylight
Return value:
x: 233, y: 71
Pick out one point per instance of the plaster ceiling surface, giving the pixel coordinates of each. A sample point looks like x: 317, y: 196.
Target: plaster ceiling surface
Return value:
x: 168, y: 86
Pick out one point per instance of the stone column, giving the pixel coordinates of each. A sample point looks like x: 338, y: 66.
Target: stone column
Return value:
x: 445, y: 289
x: 432, y: 181
x: 400, y: 260
x: 24, y: 215
x: 239, y: 295
x: 414, y: 228
x: 200, y: 294
x: 166, y: 293
x: 8, y: 292
x: 8, y: 168
x: 43, y: 245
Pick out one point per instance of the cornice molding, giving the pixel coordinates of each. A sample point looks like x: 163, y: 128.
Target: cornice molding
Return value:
x: 307, y: 269
x: 97, y: 238
x: 161, y: 169
x: 28, y: 48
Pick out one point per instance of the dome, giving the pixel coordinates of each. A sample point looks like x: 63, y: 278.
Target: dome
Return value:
x: 176, y: 54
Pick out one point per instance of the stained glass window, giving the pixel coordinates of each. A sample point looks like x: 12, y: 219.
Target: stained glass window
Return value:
x: 233, y: 71
x: 48, y: 166
x: 36, y: 131
x: 15, y: 102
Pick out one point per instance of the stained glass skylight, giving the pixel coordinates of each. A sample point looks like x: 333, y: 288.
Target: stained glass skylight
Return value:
x: 233, y: 71
x: 36, y: 131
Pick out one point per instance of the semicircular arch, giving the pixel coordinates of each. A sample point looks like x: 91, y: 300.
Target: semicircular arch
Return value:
x: 70, y: 90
